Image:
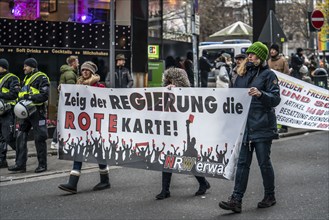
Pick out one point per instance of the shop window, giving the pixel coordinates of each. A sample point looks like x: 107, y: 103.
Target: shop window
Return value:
x: 154, y: 18
x: 177, y: 20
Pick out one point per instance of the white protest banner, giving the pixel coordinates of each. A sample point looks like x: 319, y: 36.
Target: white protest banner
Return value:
x: 182, y: 130
x: 302, y: 105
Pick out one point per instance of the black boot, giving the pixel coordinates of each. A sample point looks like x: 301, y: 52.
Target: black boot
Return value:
x: 232, y: 204
x: 40, y: 169
x: 105, y: 182
x: 165, y: 193
x: 203, y: 185
x: 71, y: 186
x: 268, y: 201
x: 18, y: 169
x: 3, y: 152
x: 41, y: 147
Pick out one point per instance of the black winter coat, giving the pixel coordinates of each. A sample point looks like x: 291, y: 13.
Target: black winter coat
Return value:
x: 42, y: 84
x: 123, y: 79
x: 12, y: 84
x: 261, y: 123
x: 297, y: 62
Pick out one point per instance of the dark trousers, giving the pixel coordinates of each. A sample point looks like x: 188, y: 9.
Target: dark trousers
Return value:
x: 38, y: 121
x: 55, y: 139
x: 263, y: 151
x: 296, y: 74
x: 204, y: 78
x: 7, y: 133
x: 77, y: 165
x: 166, y: 179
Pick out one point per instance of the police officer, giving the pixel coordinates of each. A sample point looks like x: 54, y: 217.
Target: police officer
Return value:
x: 35, y: 88
x: 9, y: 88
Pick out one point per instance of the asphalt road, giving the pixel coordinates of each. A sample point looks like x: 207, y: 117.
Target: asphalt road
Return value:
x: 300, y: 163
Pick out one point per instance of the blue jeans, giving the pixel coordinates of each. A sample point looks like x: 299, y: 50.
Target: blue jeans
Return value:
x: 77, y: 165
x: 263, y: 151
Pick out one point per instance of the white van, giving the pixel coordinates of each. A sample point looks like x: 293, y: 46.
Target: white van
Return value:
x: 215, y: 49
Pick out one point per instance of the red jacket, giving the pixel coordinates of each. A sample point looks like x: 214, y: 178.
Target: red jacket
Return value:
x: 97, y: 84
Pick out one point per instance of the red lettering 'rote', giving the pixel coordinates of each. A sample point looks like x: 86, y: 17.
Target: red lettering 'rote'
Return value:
x: 84, y: 115
x: 69, y: 119
x: 98, y: 118
x: 113, y: 123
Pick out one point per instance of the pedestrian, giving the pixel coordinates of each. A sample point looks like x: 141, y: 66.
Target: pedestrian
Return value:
x: 9, y: 89
x: 35, y: 88
x: 189, y: 68
x: 177, y: 77
x: 297, y: 61
x: 69, y: 71
x: 90, y: 78
x: 279, y: 63
x: 180, y: 62
x: 123, y: 78
x: 69, y: 74
x: 205, y: 67
x: 261, y: 127
x: 223, y: 70
x: 239, y: 58
x: 170, y: 62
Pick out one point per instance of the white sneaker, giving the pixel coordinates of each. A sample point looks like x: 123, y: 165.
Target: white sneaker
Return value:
x: 54, y: 146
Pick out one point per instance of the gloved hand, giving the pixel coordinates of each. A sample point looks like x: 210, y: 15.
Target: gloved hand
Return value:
x: 27, y: 97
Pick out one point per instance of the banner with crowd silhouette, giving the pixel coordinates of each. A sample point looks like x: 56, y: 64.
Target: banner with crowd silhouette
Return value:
x: 182, y: 130
x: 303, y: 105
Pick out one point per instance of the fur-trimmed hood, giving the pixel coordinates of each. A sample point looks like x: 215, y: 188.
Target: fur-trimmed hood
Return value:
x: 94, y: 78
x: 175, y: 76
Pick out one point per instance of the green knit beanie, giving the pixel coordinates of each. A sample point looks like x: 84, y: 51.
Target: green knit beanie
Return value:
x: 259, y: 49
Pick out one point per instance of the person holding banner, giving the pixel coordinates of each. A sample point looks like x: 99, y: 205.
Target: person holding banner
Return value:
x: 177, y: 77
x: 90, y: 78
x: 261, y: 127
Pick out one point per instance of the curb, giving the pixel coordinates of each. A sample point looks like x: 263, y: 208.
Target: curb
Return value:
x: 32, y: 154
x: 283, y: 135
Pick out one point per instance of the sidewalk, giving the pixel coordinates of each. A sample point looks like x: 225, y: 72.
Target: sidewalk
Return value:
x: 56, y: 166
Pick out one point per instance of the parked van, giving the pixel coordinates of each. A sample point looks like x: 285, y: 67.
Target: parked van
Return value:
x: 215, y: 49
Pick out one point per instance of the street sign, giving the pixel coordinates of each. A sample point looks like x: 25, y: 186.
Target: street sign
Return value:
x: 317, y: 19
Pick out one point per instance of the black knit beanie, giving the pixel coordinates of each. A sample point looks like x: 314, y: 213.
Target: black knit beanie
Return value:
x: 275, y: 47
x: 31, y: 62
x: 4, y: 64
x: 299, y: 50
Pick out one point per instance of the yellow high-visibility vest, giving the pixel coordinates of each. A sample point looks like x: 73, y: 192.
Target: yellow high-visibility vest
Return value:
x: 30, y: 90
x: 6, y: 90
